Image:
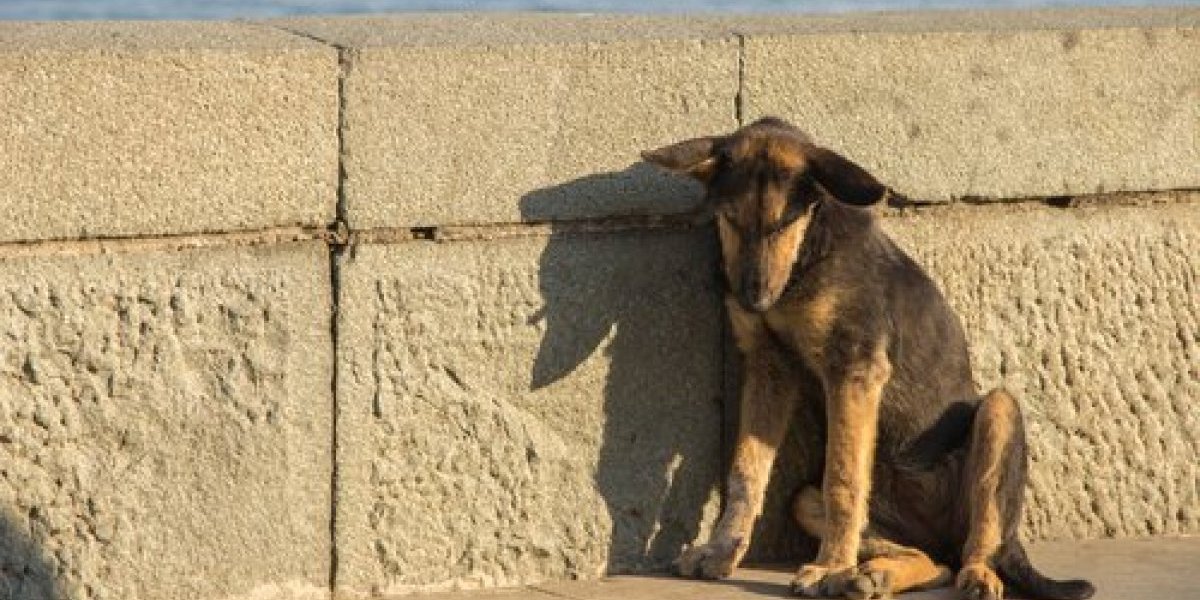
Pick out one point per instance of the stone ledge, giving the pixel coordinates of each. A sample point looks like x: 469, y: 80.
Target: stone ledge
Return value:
x: 906, y: 94
x: 469, y: 118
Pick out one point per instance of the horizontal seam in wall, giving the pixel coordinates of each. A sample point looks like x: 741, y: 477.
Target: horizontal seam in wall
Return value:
x: 172, y: 242
x: 491, y: 231
x: 1113, y: 198
x: 338, y: 234
x: 898, y: 205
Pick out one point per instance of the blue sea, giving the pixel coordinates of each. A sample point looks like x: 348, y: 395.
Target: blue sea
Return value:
x: 232, y: 9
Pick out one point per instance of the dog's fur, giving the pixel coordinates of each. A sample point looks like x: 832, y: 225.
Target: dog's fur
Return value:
x: 922, y: 474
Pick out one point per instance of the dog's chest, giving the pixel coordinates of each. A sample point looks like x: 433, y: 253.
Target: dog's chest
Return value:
x: 804, y: 326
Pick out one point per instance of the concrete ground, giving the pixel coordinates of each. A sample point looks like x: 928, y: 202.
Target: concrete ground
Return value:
x: 1131, y: 569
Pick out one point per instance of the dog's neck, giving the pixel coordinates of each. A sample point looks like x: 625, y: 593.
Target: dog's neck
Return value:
x: 834, y: 225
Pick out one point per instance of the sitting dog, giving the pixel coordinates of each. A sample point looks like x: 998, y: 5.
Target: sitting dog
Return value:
x: 922, y: 474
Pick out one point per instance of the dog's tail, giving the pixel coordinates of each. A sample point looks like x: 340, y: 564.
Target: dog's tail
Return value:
x: 1015, y: 569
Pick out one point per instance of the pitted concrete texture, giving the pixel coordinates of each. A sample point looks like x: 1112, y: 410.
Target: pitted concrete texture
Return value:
x: 121, y: 128
x: 164, y: 425
x: 525, y: 409
x: 1130, y: 569
x: 1091, y: 317
x: 947, y: 107
x: 474, y: 118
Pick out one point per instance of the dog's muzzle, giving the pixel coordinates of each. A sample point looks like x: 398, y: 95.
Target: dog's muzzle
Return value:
x: 755, y: 298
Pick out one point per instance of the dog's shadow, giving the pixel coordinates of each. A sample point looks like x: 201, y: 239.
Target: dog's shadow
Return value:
x: 641, y: 302
x: 25, y: 571
x: 650, y: 302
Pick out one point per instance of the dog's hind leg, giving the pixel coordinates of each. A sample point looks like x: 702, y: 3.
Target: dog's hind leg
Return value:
x: 885, y: 567
x: 993, y: 484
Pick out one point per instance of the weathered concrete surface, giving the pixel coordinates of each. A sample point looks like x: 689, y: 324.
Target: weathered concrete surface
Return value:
x: 1091, y: 316
x: 114, y: 128
x: 525, y: 409
x: 1120, y: 569
x: 984, y: 104
x: 165, y: 425
x: 455, y: 118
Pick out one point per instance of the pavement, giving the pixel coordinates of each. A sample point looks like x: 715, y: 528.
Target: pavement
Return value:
x: 1128, y: 569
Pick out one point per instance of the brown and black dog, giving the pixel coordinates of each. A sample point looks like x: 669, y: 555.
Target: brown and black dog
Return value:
x: 922, y: 474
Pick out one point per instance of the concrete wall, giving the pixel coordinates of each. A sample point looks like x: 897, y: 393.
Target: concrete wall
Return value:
x: 388, y: 304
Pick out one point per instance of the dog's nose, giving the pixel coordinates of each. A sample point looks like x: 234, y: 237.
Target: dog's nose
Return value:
x: 762, y: 304
x: 756, y: 301
x: 755, y: 294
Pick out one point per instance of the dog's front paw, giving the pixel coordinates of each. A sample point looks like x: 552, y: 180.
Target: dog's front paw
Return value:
x: 817, y: 581
x: 714, y: 560
x: 978, y: 582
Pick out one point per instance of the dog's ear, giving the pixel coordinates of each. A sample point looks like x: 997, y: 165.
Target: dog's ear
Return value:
x: 847, y: 181
x: 695, y: 157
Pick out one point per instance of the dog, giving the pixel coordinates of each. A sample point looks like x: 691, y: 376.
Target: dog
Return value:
x: 922, y: 474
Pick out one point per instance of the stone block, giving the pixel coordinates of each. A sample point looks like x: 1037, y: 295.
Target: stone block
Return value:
x: 457, y: 118
x: 124, y: 128
x: 524, y: 409
x: 991, y: 105
x: 165, y: 425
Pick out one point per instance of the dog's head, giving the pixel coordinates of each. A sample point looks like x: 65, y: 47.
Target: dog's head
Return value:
x: 763, y: 181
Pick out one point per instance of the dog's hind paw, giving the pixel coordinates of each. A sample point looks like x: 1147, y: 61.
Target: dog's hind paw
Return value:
x: 714, y: 560
x: 817, y: 581
x: 870, y: 584
x: 978, y: 582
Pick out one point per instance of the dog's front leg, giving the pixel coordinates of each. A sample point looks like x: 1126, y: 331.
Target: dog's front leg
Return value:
x: 769, y: 394
x: 852, y: 412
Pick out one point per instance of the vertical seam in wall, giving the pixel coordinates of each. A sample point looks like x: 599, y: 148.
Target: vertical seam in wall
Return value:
x: 345, y: 65
x: 340, y: 241
x: 739, y: 98
x: 337, y: 252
